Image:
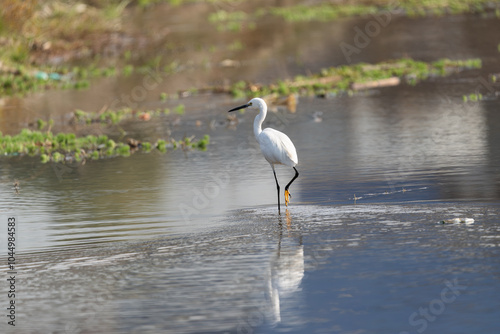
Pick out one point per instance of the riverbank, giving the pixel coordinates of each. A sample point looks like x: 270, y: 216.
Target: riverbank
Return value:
x: 64, y: 45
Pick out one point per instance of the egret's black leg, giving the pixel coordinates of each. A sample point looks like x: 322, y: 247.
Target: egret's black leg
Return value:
x: 287, y: 193
x: 278, y: 187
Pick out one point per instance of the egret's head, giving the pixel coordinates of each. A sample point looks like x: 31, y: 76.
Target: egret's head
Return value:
x: 253, y: 103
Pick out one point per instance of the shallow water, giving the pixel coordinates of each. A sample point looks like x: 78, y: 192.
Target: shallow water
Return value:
x: 343, y: 268
x: 191, y: 242
x: 362, y: 148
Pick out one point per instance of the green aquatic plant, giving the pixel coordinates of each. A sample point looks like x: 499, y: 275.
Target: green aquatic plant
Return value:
x: 239, y: 89
x: 146, y: 146
x: 349, y: 78
x: 63, y: 147
x: 94, y: 155
x: 77, y: 156
x: 230, y: 20
x: 171, y: 67
x: 113, y: 117
x: 442, y: 7
x: 44, y: 158
x: 236, y: 46
x: 22, y: 79
x: 473, y: 97
x: 57, y: 157
x: 161, y: 145
x: 321, y: 11
x: 180, y: 109
x: 123, y: 150
x: 203, y: 143
x: 41, y: 124
x: 127, y: 70
x: 110, y: 144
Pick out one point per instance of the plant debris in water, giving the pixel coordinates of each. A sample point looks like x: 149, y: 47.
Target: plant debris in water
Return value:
x: 22, y: 79
x: 348, y: 78
x: 64, y: 147
x: 116, y: 116
x: 330, y: 11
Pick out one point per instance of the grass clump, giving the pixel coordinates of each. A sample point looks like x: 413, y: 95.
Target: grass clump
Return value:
x: 113, y: 117
x: 443, y: 7
x: 203, y: 143
x: 33, y: 32
x: 34, y: 27
x: 64, y: 147
x: 322, y: 12
x: 20, y: 79
x: 332, y: 11
x: 161, y: 144
x: 180, y: 109
x: 230, y: 20
x: 473, y: 97
x: 347, y: 78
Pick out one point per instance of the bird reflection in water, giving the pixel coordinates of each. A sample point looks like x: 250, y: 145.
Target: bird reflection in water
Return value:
x: 285, y: 275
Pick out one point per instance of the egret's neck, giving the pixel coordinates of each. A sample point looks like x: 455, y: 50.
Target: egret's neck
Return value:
x: 257, y: 123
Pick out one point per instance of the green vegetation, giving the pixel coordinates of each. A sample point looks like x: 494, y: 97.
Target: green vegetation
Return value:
x: 127, y: 70
x: 230, y: 20
x: 116, y: 116
x: 24, y: 79
x: 321, y: 12
x: 442, y: 7
x: 31, y: 32
x: 473, y: 97
x: 238, y: 46
x: 64, y: 147
x: 180, y: 109
x: 333, y: 11
x: 41, y: 124
x: 340, y: 79
x: 39, y: 27
x: 329, y: 11
x: 146, y: 3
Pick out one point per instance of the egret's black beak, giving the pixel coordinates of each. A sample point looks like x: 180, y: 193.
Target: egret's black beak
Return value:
x: 241, y: 107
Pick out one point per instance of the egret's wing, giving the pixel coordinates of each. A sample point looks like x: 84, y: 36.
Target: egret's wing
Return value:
x: 289, y: 148
x: 277, y: 148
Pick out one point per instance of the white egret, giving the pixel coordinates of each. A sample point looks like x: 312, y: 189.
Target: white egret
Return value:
x: 276, y: 147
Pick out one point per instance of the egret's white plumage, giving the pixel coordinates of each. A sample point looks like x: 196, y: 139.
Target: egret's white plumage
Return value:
x: 276, y: 147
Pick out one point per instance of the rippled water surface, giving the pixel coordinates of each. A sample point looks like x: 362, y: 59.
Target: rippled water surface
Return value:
x: 364, y: 147
x: 342, y: 268
x: 188, y: 242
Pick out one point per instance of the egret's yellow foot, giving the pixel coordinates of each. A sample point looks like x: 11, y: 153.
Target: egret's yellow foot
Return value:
x: 287, y: 197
